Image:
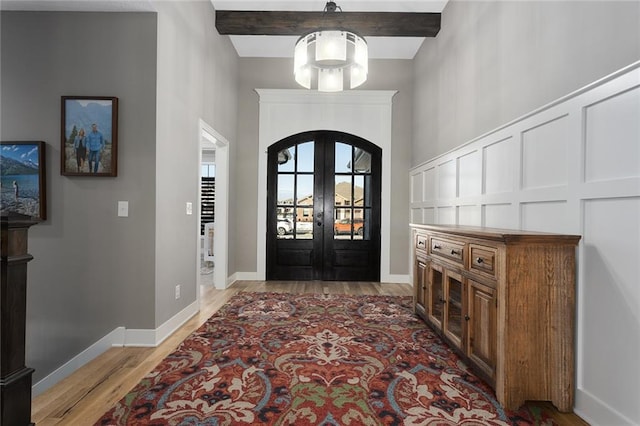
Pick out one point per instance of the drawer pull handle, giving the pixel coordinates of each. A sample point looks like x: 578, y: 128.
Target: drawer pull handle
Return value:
x: 436, y: 247
x: 479, y: 260
x: 453, y: 252
x: 420, y: 243
x: 467, y: 317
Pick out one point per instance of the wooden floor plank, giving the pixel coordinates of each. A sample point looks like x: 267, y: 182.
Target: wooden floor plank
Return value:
x: 83, y: 397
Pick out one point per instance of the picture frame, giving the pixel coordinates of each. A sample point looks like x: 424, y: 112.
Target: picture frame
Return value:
x: 94, y: 121
x: 23, y: 179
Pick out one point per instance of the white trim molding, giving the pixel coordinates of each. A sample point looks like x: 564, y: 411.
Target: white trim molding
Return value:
x: 364, y: 113
x: 119, y: 337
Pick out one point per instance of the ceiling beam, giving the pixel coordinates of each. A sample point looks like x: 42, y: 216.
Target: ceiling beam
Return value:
x: 365, y: 24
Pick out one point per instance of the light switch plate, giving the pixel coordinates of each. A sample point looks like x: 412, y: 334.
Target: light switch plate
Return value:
x: 123, y: 208
x: 189, y: 207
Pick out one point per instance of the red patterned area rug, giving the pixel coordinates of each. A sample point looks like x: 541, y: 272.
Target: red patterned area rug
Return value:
x: 282, y: 359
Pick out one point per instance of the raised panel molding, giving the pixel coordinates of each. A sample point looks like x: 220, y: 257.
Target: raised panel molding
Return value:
x: 548, y: 216
x: 612, y: 137
x: 571, y: 167
x: 429, y: 215
x: 447, y: 215
x: 499, y: 216
x: 416, y: 215
x: 544, y: 154
x: 498, y: 168
x: 470, y: 174
x: 429, y: 184
x: 470, y: 215
x: 610, y: 296
x: 416, y: 187
x: 447, y: 180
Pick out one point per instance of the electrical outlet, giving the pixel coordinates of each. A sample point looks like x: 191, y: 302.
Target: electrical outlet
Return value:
x: 178, y: 291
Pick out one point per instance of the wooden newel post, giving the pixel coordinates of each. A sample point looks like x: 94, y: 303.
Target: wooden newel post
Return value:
x: 15, y: 377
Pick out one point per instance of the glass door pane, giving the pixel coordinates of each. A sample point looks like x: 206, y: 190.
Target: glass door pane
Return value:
x: 352, y: 209
x: 294, y: 209
x: 436, y: 295
x: 454, y: 318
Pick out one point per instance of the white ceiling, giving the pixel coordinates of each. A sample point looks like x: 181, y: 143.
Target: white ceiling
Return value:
x: 263, y: 46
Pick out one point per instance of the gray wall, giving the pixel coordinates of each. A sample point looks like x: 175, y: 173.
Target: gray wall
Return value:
x: 492, y: 62
x: 277, y: 74
x: 92, y: 271
x: 197, y: 79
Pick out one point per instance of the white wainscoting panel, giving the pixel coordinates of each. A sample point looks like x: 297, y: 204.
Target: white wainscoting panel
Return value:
x: 447, y: 215
x: 611, y: 135
x: 416, y: 215
x: 470, y: 174
x: 499, y: 216
x: 571, y: 167
x: 428, y: 215
x: 611, y: 302
x: 544, y: 155
x: 499, y: 171
x: 416, y: 187
x: 447, y: 180
x: 548, y: 216
x: 470, y: 215
x: 429, y: 184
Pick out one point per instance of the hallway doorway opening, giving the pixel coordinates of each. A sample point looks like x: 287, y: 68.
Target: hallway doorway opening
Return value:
x: 213, y: 236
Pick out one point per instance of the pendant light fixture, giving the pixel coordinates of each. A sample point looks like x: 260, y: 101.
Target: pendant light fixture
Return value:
x: 328, y: 59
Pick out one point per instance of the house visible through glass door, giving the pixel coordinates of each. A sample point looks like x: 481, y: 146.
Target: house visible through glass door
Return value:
x: 323, y: 218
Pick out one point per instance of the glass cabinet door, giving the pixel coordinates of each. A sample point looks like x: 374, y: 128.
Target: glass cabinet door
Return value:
x: 436, y: 295
x: 454, y: 319
x: 421, y: 293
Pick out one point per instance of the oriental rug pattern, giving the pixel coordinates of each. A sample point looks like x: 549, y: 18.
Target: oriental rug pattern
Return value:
x: 282, y: 359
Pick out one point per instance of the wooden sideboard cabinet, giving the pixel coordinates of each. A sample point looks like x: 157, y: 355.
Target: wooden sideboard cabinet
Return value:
x: 505, y: 301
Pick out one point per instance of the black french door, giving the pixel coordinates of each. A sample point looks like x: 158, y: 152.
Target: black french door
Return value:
x: 323, y: 208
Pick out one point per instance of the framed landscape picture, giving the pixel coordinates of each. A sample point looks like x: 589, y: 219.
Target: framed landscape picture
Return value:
x: 89, y: 136
x: 22, y: 184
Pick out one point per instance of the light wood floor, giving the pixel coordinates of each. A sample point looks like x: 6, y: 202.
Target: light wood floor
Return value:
x: 82, y: 398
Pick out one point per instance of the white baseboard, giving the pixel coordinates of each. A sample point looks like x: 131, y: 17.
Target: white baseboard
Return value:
x: 118, y: 337
x: 253, y: 276
x: 152, y: 338
x: 596, y: 412
x: 244, y: 276
x: 114, y: 338
x: 396, y: 278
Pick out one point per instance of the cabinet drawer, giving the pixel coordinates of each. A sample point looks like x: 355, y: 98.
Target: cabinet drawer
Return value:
x: 483, y: 259
x: 421, y: 242
x: 451, y: 250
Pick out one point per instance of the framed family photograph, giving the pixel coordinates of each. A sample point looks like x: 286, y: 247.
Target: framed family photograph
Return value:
x: 22, y: 184
x: 89, y: 136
